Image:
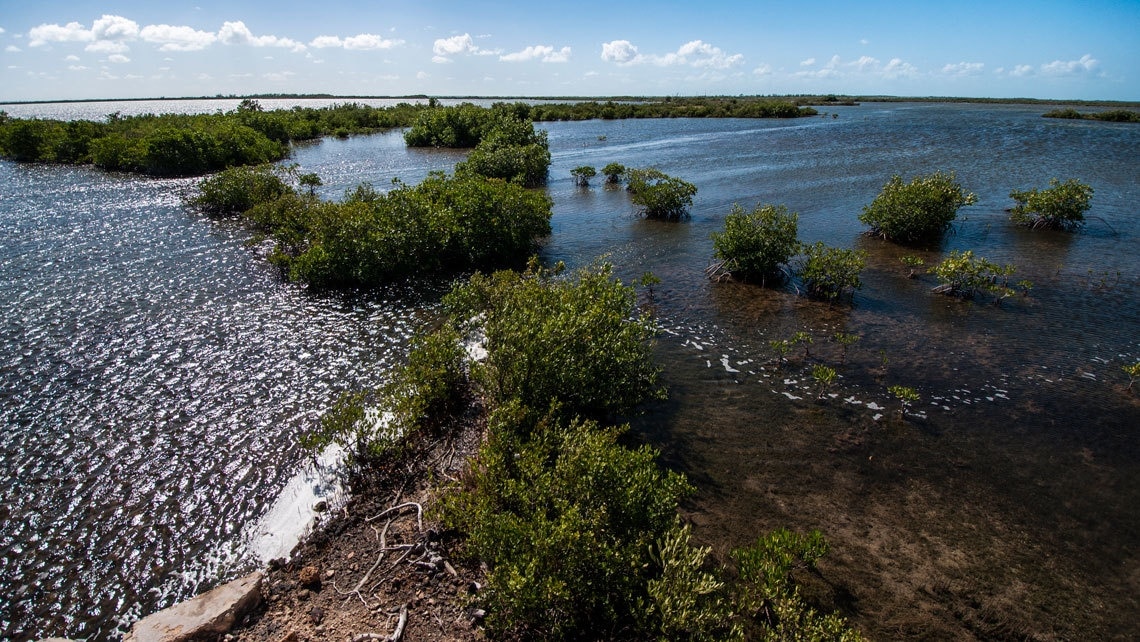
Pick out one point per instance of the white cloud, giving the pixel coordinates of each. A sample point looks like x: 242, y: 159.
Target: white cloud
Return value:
x: 236, y: 33
x: 107, y: 46
x: 2, y: 30
x: 702, y: 54
x: 114, y: 28
x: 71, y: 32
x: 368, y: 42
x: 322, y: 42
x: 620, y: 51
x: 898, y: 68
x: 836, y: 67
x: 422, y: 75
x: 279, y: 76
x: 807, y: 63
x: 545, y: 53
x: 71, y: 58
x: 1022, y: 70
x: 1087, y: 64
x: 963, y: 69
x: 864, y: 42
x: 177, y: 38
x: 763, y: 70
x: 443, y: 48
x: 118, y: 58
x: 12, y: 49
x: 76, y: 67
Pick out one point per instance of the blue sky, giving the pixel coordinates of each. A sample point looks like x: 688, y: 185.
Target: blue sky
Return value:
x: 68, y: 49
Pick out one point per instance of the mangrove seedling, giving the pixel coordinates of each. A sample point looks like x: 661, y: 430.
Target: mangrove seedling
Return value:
x: 824, y: 376
x: 803, y: 339
x: 906, y: 396
x: 782, y: 347
x: 913, y: 262
x: 1133, y: 372
x: 310, y: 180
x: 582, y: 175
x: 828, y: 272
x: 1061, y: 206
x: 845, y: 340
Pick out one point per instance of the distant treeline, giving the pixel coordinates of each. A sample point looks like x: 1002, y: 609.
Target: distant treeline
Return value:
x: 1112, y: 116
x: 189, y: 144
x: 196, y: 144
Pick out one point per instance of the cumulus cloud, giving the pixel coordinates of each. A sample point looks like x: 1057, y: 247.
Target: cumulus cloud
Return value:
x: 70, y: 32
x: 963, y: 68
x: 807, y: 63
x: 1022, y: 70
x: 114, y: 28
x: 836, y: 67
x: 445, y: 48
x: 367, y: 41
x: 236, y: 33
x: 177, y: 38
x: 107, y: 46
x: 763, y: 70
x: 899, y: 68
x: 545, y: 53
x: 118, y: 58
x: 620, y: 51
x: 12, y: 49
x: 1087, y: 64
x: 695, y: 53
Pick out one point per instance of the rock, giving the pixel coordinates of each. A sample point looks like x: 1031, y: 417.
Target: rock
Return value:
x: 321, y: 506
x: 291, y: 636
x: 316, y: 614
x: 208, y: 615
x: 310, y: 576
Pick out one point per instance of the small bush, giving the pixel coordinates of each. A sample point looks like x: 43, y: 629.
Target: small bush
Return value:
x: 963, y: 275
x: 512, y: 151
x: 661, y: 196
x: 1061, y: 206
x: 238, y: 189
x: 828, y: 272
x: 614, y: 173
x: 756, y: 245
x: 918, y: 211
x: 579, y: 343
x: 565, y: 518
x: 583, y: 174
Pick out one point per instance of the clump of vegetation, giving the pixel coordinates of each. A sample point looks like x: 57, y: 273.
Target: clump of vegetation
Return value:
x: 238, y: 189
x: 963, y: 275
x: 614, y: 173
x: 459, y: 126
x: 757, y: 245
x: 660, y: 196
x: 558, y: 341
x: 189, y: 144
x: 1111, y: 116
x: 918, y: 211
x: 845, y: 340
x: 803, y: 339
x: 1133, y: 372
x: 673, y: 107
x: 1061, y: 206
x: 583, y: 174
x: 829, y: 272
x: 512, y: 150
x: 781, y: 347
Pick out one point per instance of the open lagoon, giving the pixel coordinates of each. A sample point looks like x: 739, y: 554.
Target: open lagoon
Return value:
x: 155, y: 371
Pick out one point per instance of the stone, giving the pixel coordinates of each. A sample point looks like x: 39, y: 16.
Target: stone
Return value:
x: 209, y: 615
x: 310, y: 576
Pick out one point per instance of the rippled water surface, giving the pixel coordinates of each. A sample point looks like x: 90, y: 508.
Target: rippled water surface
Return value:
x: 154, y: 371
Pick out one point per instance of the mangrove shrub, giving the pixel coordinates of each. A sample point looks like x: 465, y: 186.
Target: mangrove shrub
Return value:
x: 756, y: 245
x: 1061, y: 206
x: 660, y: 196
x: 918, y: 211
x: 828, y: 272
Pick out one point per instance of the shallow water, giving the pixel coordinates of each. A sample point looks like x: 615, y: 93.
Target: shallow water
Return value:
x: 155, y: 370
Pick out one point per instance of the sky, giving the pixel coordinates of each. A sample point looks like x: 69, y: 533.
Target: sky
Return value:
x: 83, y: 49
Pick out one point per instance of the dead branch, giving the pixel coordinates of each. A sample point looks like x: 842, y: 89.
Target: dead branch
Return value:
x: 400, y: 625
x: 419, y: 513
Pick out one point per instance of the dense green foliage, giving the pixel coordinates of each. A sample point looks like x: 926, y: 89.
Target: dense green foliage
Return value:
x: 577, y: 343
x: 1061, y: 206
x: 441, y: 226
x: 963, y: 275
x: 188, y: 144
x: 918, y: 211
x: 828, y: 272
x: 238, y: 189
x: 1111, y: 116
x: 756, y: 245
x: 660, y: 196
x: 512, y: 151
x: 696, y: 107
